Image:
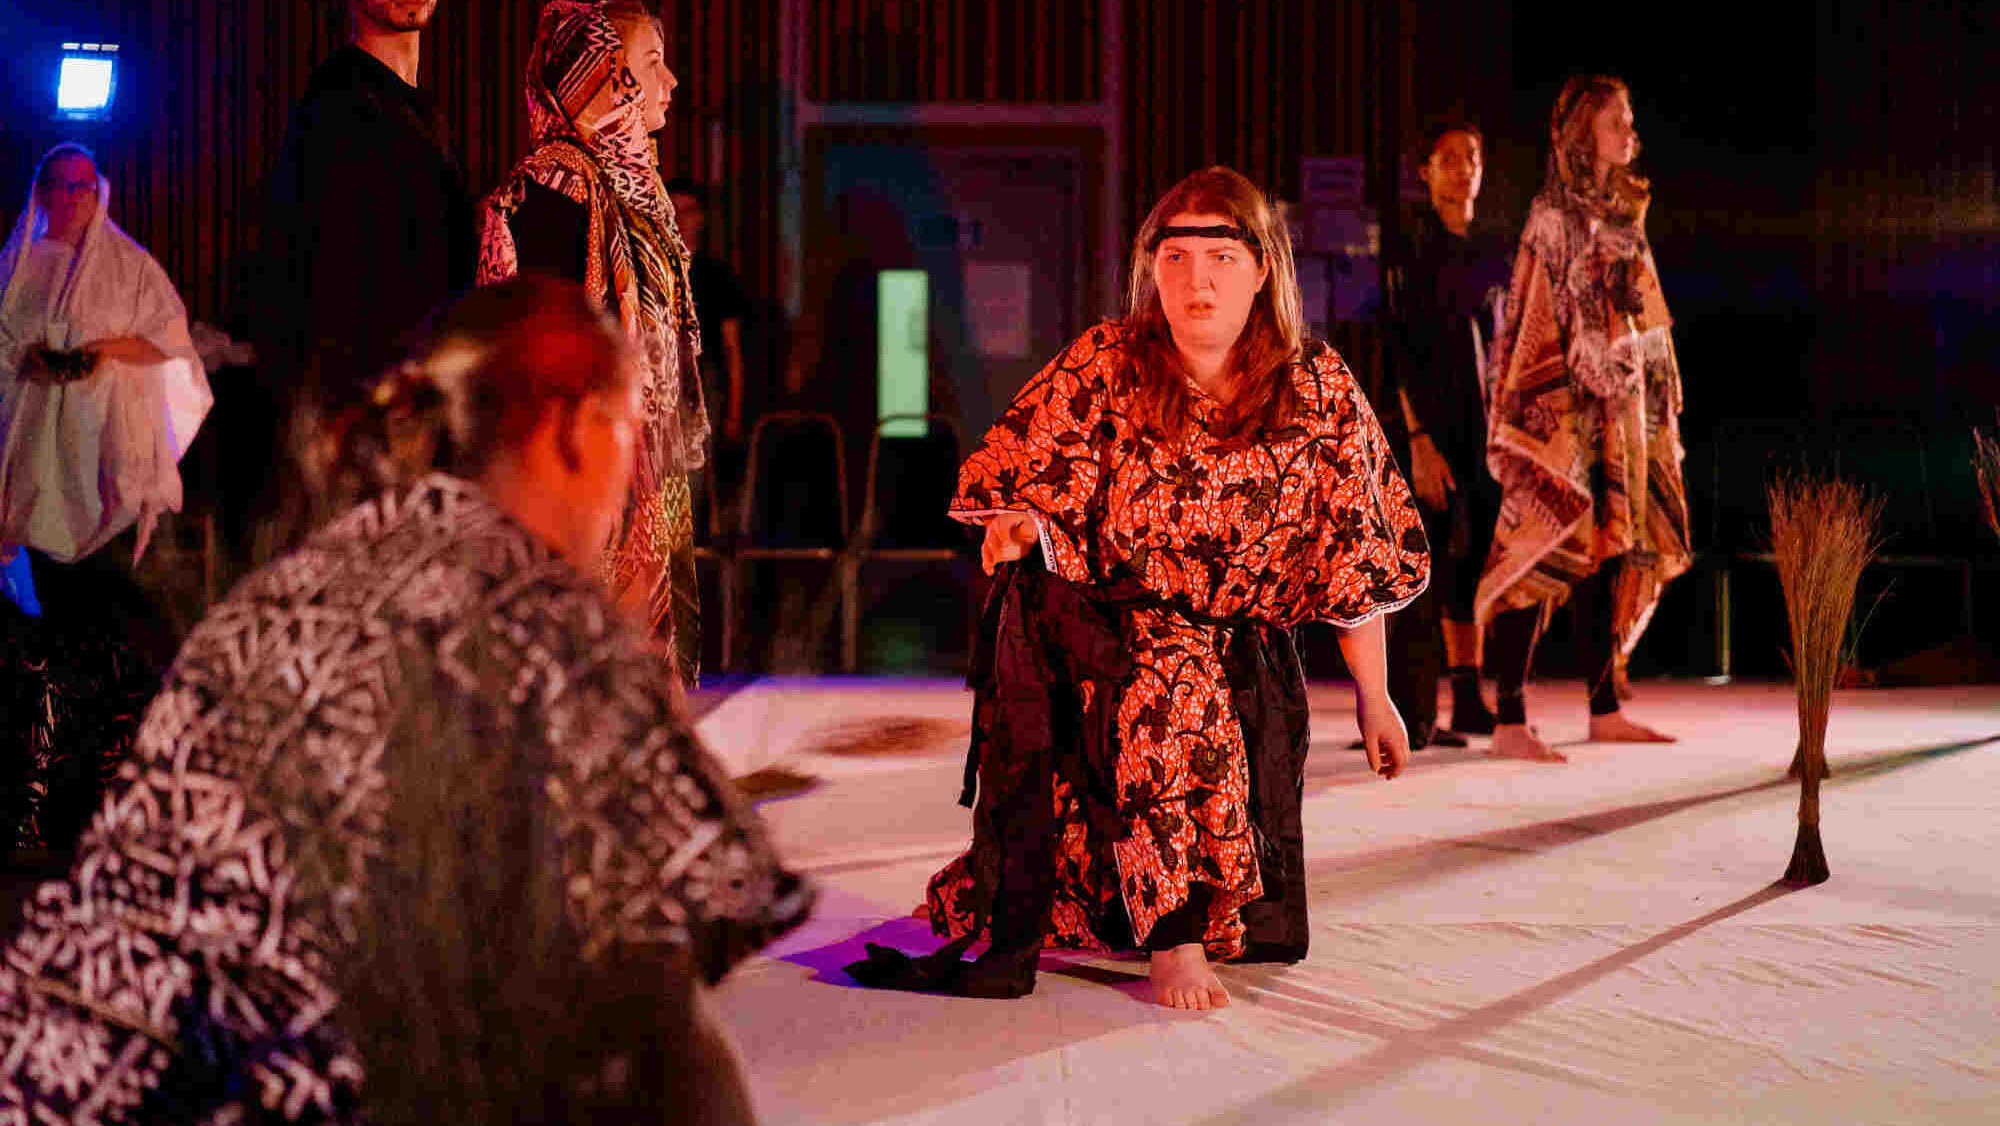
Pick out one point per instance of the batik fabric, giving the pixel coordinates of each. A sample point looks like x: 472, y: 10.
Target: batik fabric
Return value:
x: 1584, y: 396
x: 1312, y: 522
x: 185, y: 971
x: 586, y: 122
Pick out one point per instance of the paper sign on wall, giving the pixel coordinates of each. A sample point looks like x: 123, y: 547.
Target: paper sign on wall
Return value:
x: 1000, y: 298
x: 1334, y: 181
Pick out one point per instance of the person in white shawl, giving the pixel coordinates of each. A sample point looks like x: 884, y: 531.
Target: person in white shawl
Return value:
x: 101, y: 388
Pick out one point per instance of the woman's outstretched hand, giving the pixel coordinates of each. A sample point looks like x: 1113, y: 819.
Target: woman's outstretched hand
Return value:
x: 1008, y: 537
x: 1382, y: 733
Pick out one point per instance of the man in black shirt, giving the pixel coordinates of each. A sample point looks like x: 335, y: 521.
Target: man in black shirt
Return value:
x: 368, y: 225
x: 1442, y: 287
x: 722, y: 306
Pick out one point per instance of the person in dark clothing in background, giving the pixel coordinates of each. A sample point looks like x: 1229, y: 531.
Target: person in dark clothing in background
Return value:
x: 722, y: 305
x: 1442, y: 288
x: 368, y: 227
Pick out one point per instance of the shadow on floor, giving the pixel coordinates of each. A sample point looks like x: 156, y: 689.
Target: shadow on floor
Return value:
x: 1406, y: 1047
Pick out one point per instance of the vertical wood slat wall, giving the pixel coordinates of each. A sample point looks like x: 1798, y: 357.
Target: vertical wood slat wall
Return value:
x: 210, y: 86
x: 205, y: 105
x: 1257, y: 87
x: 205, y: 91
x: 726, y: 55
x: 990, y: 51
x: 1906, y: 145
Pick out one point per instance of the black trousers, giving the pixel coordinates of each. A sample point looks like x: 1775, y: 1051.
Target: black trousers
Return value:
x: 1511, y: 639
x: 1416, y: 660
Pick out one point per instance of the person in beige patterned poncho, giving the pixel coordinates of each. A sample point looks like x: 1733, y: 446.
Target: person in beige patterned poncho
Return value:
x: 1583, y: 396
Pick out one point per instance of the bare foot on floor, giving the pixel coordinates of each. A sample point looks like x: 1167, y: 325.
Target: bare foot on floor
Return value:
x: 923, y: 911
x: 1615, y: 728
x: 1518, y: 740
x: 1183, y: 979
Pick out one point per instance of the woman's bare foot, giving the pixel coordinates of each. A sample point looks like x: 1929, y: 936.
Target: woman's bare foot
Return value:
x: 1615, y: 728
x: 1183, y: 979
x: 1518, y: 740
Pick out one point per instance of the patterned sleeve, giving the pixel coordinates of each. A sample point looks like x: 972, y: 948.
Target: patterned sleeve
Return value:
x: 659, y: 847
x: 1041, y: 457
x: 82, y: 1036
x: 1372, y: 556
x: 159, y: 969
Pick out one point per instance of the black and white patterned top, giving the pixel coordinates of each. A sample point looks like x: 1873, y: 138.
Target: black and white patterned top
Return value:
x: 186, y: 932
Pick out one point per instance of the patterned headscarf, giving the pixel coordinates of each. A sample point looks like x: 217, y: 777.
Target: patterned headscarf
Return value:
x: 1619, y: 264
x: 586, y: 120
x: 1571, y: 180
x: 22, y: 327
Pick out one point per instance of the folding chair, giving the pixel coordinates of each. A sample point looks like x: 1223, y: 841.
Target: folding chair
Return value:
x: 788, y: 514
x: 908, y: 524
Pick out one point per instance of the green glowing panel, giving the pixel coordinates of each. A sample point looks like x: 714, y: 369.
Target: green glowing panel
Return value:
x: 903, y: 350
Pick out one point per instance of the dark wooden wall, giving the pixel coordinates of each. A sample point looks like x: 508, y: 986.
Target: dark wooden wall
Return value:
x: 726, y: 56
x: 990, y: 51
x: 207, y: 88
x: 1905, y: 216
x: 1872, y: 163
x: 204, y: 103
x: 1256, y: 87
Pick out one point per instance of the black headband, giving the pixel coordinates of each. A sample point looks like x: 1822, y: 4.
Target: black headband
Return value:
x: 1222, y: 230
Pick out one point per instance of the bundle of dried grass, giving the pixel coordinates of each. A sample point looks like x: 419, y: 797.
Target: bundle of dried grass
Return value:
x: 1823, y: 534
x: 1986, y: 460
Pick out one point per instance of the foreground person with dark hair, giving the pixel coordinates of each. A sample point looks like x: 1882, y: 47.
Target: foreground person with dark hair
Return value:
x: 415, y: 802
x: 1164, y: 503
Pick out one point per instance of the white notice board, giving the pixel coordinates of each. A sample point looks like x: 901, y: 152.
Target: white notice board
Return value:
x: 1000, y: 297
x: 1333, y: 181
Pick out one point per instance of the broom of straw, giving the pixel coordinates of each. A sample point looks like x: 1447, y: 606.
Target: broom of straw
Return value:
x: 1986, y: 460
x: 1823, y: 534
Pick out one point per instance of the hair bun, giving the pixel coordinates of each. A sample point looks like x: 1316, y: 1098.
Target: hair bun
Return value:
x: 406, y: 385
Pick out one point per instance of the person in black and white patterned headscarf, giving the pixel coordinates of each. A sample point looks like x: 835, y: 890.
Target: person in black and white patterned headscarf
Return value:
x: 587, y: 204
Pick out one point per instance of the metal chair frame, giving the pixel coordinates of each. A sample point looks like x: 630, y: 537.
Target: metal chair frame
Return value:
x: 746, y: 551
x: 860, y: 545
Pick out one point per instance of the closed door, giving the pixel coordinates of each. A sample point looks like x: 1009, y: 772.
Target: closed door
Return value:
x: 947, y: 267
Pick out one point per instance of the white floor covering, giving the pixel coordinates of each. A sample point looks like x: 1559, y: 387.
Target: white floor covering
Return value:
x: 1493, y: 941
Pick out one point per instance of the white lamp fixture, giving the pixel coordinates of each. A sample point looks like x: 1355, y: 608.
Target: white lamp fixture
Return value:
x: 86, y: 79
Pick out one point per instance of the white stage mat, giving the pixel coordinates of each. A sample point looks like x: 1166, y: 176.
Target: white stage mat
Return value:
x: 1493, y: 941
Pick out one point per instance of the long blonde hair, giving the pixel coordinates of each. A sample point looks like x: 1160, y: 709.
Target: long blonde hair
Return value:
x: 1274, y: 338
x: 1572, y: 168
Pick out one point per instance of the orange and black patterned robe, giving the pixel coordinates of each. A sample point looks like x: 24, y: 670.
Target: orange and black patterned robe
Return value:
x: 1313, y: 522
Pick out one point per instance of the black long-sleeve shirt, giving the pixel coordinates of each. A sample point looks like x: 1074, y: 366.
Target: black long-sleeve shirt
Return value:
x: 368, y: 227
x: 1440, y: 295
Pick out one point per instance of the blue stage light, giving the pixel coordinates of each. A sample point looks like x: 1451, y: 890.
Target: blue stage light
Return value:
x: 86, y: 79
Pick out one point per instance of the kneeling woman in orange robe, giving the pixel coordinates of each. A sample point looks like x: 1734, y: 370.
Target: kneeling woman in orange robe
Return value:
x: 1162, y: 505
